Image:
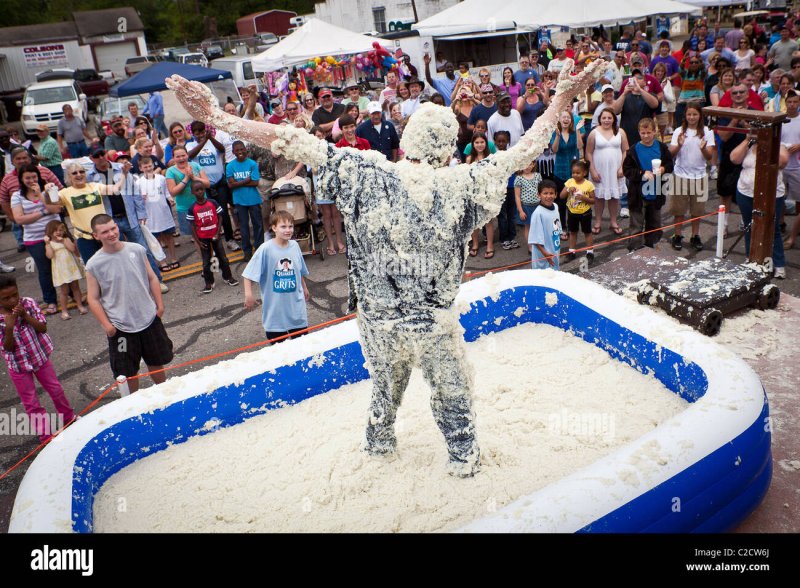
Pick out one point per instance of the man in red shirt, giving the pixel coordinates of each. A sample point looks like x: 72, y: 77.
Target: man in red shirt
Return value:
x: 349, y: 138
x: 278, y: 113
x: 753, y: 99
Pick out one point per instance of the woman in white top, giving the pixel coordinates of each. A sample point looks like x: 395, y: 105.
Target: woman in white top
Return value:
x: 745, y: 154
x: 605, y: 150
x: 744, y: 54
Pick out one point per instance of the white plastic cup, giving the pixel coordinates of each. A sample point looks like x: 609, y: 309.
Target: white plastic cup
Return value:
x: 52, y: 195
x: 656, y: 166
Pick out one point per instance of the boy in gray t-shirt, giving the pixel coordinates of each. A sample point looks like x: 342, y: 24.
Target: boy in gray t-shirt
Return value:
x: 125, y: 296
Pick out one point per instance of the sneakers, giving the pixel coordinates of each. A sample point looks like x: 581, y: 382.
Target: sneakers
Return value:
x: 232, y: 246
x: 207, y: 289
x: 590, y: 256
x: 232, y: 282
x: 677, y: 242
x: 506, y: 245
x: 570, y: 256
x: 696, y: 242
x: 6, y: 269
x: 514, y: 244
x: 780, y: 273
x: 164, y: 287
x: 20, y: 248
x: 624, y: 213
x: 713, y: 175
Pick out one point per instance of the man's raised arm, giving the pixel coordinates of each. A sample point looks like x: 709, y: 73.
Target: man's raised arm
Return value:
x: 295, y: 144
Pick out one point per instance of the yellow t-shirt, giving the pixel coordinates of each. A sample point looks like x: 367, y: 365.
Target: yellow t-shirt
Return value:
x: 82, y: 206
x: 574, y: 205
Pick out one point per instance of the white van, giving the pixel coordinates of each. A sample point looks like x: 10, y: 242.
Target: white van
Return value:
x: 43, y: 103
x: 241, y: 68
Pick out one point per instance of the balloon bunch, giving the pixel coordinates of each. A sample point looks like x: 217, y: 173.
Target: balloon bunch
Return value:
x: 321, y: 68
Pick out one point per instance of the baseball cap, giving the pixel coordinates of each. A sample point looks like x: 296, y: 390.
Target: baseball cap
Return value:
x: 502, y: 96
x: 487, y: 88
x: 325, y: 92
x: 98, y: 152
x: 606, y: 87
x: 374, y: 107
x: 117, y: 155
x: 42, y: 127
x: 559, y: 49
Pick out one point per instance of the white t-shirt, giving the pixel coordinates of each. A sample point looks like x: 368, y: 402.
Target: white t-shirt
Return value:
x: 556, y: 65
x: 790, y: 135
x: 211, y: 160
x: 227, y: 142
x: 748, y: 177
x: 511, y: 123
x: 689, y: 161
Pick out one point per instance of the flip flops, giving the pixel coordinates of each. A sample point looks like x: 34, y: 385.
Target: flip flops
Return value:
x: 473, y: 252
x: 596, y: 230
x: 488, y: 254
x: 617, y: 230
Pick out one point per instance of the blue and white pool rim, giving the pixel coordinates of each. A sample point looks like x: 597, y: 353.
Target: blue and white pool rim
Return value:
x: 703, y: 470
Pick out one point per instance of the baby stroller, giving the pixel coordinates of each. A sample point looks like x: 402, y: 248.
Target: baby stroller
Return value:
x: 308, y: 231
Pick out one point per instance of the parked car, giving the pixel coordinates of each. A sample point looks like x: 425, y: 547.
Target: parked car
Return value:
x: 265, y: 40
x: 112, y: 107
x: 134, y: 65
x: 43, y: 103
x: 193, y: 59
x: 213, y: 52
x: 173, y: 53
x: 90, y: 82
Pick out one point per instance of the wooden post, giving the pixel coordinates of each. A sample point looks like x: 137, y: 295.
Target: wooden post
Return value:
x: 767, y: 126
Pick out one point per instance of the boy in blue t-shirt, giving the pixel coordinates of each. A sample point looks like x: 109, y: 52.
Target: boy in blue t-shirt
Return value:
x: 278, y: 268
x: 545, y: 231
x: 243, y: 176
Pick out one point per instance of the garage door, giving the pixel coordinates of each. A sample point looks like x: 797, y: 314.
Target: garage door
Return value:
x: 113, y: 56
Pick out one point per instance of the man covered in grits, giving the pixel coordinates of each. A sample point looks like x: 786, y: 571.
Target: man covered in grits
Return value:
x: 408, y: 224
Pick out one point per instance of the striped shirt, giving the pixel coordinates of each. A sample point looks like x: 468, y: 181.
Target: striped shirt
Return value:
x: 31, y: 349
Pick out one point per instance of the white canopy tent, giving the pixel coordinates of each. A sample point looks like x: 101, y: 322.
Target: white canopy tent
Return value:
x: 475, y: 16
x: 315, y: 38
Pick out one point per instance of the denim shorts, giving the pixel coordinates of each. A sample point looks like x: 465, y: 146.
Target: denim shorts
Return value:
x: 528, y: 208
x: 183, y: 223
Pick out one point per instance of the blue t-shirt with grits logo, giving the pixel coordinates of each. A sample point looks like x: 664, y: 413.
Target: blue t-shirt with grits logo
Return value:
x: 211, y: 160
x: 278, y: 270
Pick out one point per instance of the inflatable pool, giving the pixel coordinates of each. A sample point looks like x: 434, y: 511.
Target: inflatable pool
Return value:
x: 703, y: 470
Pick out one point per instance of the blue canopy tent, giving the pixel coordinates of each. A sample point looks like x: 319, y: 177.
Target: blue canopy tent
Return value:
x: 152, y: 78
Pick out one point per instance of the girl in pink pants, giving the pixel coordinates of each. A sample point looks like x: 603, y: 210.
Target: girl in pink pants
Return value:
x: 26, y: 347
